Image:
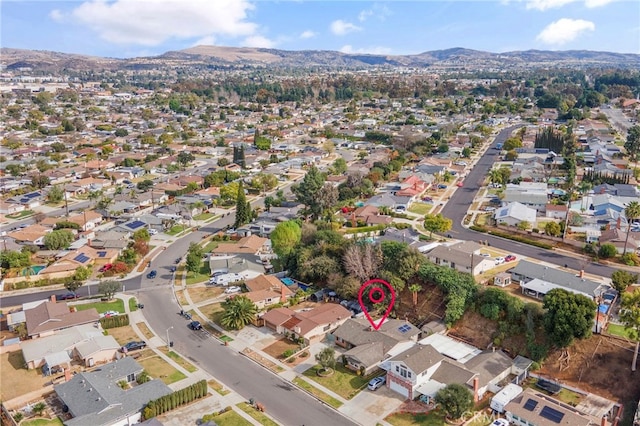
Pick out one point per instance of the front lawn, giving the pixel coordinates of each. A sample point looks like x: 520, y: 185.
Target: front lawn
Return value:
x: 420, y: 208
x: 178, y: 359
x: 116, y: 305
x: 231, y: 418
x: 16, y: 379
x: 161, y: 369
x: 210, y: 246
x: 217, y: 387
x: 433, y: 418
x: 344, y: 382
x: 175, y: 230
x: 257, y: 415
x: 317, y: 392
x: 201, y: 276
x: 123, y: 335
x: 20, y: 215
x: 133, y: 304
x: 204, y: 216
x: 42, y: 422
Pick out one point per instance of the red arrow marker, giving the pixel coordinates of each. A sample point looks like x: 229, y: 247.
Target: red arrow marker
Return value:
x: 376, y: 291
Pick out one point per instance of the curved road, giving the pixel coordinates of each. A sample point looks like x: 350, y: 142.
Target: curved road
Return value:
x: 457, y: 206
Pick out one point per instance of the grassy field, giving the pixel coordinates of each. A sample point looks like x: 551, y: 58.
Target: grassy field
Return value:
x: 160, y: 369
x: 407, y: 419
x: 420, y: 208
x: 344, y: 382
x: 178, y: 359
x: 42, y: 422
x: 145, y: 330
x: 123, y: 335
x: 116, y: 305
x: 20, y: 215
x: 175, y: 230
x: 231, y: 418
x: 213, y: 311
x: 200, y: 294
x: 257, y: 415
x: 618, y: 330
x: 211, y: 245
x: 133, y: 304
x: 204, y: 216
x: 201, y: 276
x: 317, y: 392
x: 181, y: 299
x: 218, y: 387
x: 16, y: 379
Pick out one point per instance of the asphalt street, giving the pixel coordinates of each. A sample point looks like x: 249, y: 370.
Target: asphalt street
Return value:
x: 457, y: 206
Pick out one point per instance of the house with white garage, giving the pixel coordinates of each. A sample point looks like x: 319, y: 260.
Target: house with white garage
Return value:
x: 514, y: 213
x: 464, y: 257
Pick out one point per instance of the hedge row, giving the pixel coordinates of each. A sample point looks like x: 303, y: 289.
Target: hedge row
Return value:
x: 365, y: 229
x: 521, y: 239
x: 159, y: 406
x: 114, y: 321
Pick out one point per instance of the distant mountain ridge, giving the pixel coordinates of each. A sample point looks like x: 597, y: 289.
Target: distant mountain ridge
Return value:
x: 248, y: 56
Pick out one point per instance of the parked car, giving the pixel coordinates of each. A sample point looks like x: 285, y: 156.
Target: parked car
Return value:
x: 172, y: 269
x: 152, y: 274
x: 500, y: 422
x: 153, y: 231
x: 489, y: 209
x: 377, y: 383
x: 109, y: 314
x: 427, y: 199
x: 66, y: 296
x: 460, y: 163
x: 509, y: 258
x: 178, y: 260
x: 233, y: 289
x: 442, y: 186
x: 459, y: 184
x: 133, y: 346
x: 106, y: 267
x: 195, y: 325
x: 551, y: 387
x: 499, y: 260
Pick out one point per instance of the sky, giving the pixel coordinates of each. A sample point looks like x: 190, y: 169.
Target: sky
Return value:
x: 130, y: 28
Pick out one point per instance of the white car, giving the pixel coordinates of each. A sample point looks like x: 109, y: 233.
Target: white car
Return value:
x: 500, y: 422
x: 233, y: 289
x: 109, y: 314
x: 499, y: 260
x: 153, y: 231
x: 461, y: 163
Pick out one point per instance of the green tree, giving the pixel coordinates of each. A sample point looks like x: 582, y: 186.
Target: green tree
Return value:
x: 145, y: 185
x: 415, y: 289
x: 269, y: 201
x: 193, y: 262
x: 339, y: 166
x: 73, y: 285
x: 285, y: 237
x: 59, y: 239
x: 523, y: 225
x: 436, y: 223
x: 632, y: 144
x: 632, y: 212
x: 40, y: 181
x: 327, y: 359
x: 82, y: 273
x: 567, y: 316
x: 512, y: 143
x: 607, y: 251
x: 141, y: 235
x: 553, y: 229
x: 622, y: 279
x: 15, y: 259
x: 55, y: 194
x: 121, y: 132
x: 109, y: 288
x: 243, y: 210
x: 455, y: 400
x: 630, y: 317
x: 184, y: 158
x: 238, y: 312
x: 307, y: 191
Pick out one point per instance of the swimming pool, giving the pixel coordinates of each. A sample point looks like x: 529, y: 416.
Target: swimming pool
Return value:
x: 32, y: 270
x: 287, y: 281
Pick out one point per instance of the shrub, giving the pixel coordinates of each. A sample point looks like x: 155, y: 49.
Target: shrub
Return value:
x: 115, y: 321
x: 521, y: 239
x: 288, y: 353
x: 630, y: 259
x: 18, y: 416
x: 607, y: 251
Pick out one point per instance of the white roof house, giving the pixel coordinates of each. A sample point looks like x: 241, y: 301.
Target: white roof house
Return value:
x: 514, y: 213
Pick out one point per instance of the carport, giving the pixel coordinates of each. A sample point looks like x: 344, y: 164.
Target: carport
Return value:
x: 55, y: 360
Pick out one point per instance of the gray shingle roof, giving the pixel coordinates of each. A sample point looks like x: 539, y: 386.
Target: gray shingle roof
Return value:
x: 419, y: 358
x: 357, y: 333
x: 531, y: 270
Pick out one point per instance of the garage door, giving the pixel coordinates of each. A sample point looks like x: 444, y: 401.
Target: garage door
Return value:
x: 396, y: 387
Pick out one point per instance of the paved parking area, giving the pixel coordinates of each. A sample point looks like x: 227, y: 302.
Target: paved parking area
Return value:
x: 258, y: 338
x: 372, y: 405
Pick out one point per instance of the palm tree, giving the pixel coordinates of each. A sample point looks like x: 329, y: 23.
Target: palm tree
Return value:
x: 327, y: 359
x: 632, y: 211
x: 584, y: 187
x: 414, y: 289
x: 495, y: 176
x: 238, y: 312
x: 93, y: 195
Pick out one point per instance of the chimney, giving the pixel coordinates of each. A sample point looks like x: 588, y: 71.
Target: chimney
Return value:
x: 67, y: 374
x: 53, y: 298
x: 618, y: 222
x: 604, y: 422
x: 475, y: 389
x: 581, y: 273
x: 89, y: 242
x: 283, y: 297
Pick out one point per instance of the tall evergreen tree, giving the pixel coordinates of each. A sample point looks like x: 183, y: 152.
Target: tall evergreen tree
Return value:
x: 243, y: 209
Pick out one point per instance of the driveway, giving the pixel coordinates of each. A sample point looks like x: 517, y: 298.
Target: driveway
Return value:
x: 372, y: 405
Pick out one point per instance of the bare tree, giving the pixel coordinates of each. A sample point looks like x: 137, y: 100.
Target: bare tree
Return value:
x: 362, y: 260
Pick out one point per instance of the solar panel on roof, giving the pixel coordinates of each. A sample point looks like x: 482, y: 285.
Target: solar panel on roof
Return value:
x: 404, y: 328
x: 530, y: 404
x: 82, y: 258
x: 551, y: 414
x: 135, y: 225
x: 101, y: 253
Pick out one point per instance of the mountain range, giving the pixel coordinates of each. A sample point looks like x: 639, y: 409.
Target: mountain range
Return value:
x: 208, y: 56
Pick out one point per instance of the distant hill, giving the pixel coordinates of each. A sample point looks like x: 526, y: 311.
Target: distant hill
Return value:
x: 248, y: 56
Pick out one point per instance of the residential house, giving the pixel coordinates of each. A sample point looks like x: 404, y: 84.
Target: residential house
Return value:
x: 390, y: 201
x: 48, y: 317
x: 86, y: 343
x: 617, y: 237
x: 369, y: 215
x: 556, y: 211
x: 11, y: 208
x: 110, y: 239
x: 266, y: 290
x: 514, y: 213
x: 531, y: 194
x: 248, y: 256
x: 311, y: 326
x: 534, y: 408
x: 412, y: 187
x: 366, y: 348
x: 97, y: 398
x: 463, y: 257
x: 536, y: 280
x: 32, y: 235
x: 29, y: 201
x: 86, y: 256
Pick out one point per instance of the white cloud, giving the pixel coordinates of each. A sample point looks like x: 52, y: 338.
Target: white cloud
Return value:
x: 547, y: 4
x: 597, y: 3
x: 564, y: 30
x: 151, y: 22
x: 206, y: 41
x: 380, y: 11
x: 308, y: 34
x: 340, y: 27
x: 258, y: 41
x: 56, y: 15
x: 372, y: 50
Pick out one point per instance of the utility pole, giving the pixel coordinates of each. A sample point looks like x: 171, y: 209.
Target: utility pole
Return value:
x: 66, y: 203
